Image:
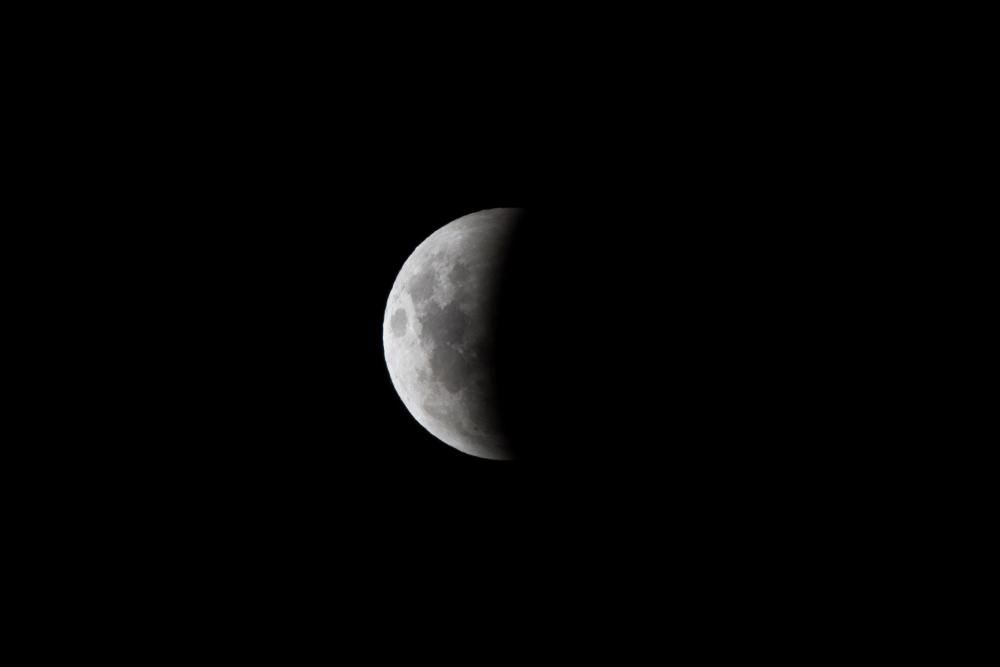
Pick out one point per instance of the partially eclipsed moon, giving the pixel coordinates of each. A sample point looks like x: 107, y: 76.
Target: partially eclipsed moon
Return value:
x: 438, y: 332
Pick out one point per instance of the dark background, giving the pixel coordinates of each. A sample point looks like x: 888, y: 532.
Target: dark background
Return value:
x: 707, y: 362
x: 653, y: 338
x: 666, y: 309
x: 691, y: 350
x: 665, y: 364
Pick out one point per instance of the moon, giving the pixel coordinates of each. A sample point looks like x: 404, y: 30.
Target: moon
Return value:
x: 438, y: 332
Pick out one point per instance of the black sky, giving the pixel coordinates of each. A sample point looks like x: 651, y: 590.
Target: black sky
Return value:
x: 670, y: 313
x: 690, y: 352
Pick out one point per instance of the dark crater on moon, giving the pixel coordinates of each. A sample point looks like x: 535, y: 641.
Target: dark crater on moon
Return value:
x: 444, y: 331
x: 422, y: 286
x: 444, y: 325
x: 398, y: 322
x: 450, y: 368
x: 459, y: 273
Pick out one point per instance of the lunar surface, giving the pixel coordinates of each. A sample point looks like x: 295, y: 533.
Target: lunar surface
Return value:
x: 438, y: 332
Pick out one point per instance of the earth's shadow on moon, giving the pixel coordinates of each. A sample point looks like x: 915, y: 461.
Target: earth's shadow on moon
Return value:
x: 549, y: 360
x: 579, y: 322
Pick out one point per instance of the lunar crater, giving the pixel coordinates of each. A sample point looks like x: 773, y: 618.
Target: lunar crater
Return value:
x: 422, y: 287
x: 443, y: 325
x: 398, y: 322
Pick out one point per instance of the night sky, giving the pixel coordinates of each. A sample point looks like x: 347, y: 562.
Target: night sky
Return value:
x: 667, y: 313
x: 646, y: 314
x: 694, y: 357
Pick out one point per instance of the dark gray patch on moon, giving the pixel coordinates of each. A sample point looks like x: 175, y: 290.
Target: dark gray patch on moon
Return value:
x: 459, y: 273
x: 422, y: 286
x: 450, y: 368
x: 398, y: 322
x: 443, y: 325
x: 484, y: 417
x: 440, y: 415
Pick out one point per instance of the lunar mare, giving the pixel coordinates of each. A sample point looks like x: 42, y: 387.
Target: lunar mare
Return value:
x: 438, y: 332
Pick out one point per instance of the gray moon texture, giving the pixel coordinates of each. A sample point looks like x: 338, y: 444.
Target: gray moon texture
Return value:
x: 438, y: 331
